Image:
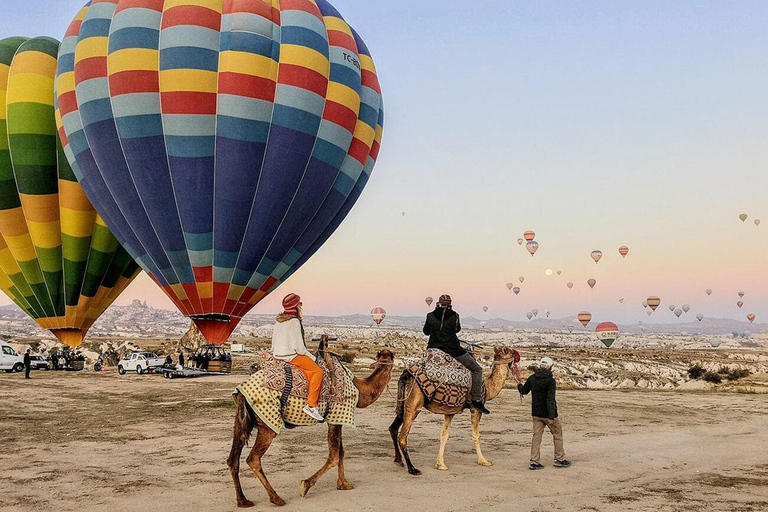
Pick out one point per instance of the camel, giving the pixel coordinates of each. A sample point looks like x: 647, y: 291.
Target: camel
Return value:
x: 410, y: 401
x: 370, y: 390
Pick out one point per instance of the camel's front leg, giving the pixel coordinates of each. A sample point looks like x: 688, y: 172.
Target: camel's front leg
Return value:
x: 341, y: 482
x: 444, y: 434
x: 476, y: 415
x: 334, y: 440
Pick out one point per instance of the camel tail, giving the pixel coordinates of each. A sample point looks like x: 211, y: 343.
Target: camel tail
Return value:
x: 243, y: 420
x: 402, y: 385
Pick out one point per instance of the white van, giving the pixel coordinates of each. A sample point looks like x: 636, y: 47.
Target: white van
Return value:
x: 10, y: 361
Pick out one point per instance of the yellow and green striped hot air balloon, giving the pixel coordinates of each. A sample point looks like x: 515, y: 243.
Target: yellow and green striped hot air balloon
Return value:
x: 58, y: 260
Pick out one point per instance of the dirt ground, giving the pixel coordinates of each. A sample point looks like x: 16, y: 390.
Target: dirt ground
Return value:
x: 90, y: 441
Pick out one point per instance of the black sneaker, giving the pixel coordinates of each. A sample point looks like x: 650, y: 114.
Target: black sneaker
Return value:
x: 479, y: 407
x: 535, y: 465
x: 562, y: 463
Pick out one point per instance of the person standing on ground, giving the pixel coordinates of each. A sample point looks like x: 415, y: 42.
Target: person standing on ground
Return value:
x: 441, y: 326
x: 542, y: 387
x: 181, y: 359
x: 27, y: 364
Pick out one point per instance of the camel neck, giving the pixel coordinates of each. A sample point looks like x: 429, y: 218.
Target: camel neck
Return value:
x: 373, y: 386
x: 494, y: 383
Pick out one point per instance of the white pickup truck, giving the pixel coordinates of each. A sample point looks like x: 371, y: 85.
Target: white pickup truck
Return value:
x: 10, y: 361
x: 139, y: 362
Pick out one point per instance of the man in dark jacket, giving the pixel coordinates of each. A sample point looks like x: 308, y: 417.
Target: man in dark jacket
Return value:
x: 544, y: 411
x: 441, y: 326
x: 27, y: 364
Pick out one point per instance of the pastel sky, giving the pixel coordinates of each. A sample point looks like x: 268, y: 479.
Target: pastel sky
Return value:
x: 596, y: 124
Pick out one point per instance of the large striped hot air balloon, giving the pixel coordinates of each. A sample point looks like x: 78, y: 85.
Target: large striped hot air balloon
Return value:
x: 378, y: 315
x: 58, y: 261
x: 607, y: 332
x: 223, y: 141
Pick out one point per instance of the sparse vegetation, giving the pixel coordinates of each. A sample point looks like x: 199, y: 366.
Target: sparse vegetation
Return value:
x: 712, y: 377
x: 695, y: 372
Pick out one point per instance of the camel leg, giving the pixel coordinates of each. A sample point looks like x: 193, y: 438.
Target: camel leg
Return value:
x: 444, y: 434
x: 264, y: 438
x: 393, y: 430
x: 476, y: 415
x: 334, y: 442
x: 413, y: 405
x: 341, y: 483
x: 243, y: 428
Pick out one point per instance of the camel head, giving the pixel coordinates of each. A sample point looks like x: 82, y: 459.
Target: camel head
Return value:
x: 384, y: 359
x: 505, y: 355
x: 374, y: 385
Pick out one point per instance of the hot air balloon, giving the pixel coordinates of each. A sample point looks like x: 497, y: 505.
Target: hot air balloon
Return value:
x: 559, y: 272
x: 645, y: 303
x: 739, y: 304
x: 547, y: 314
x: 607, y: 332
x: 482, y: 323
x: 516, y: 290
x: 521, y: 279
x: 649, y: 312
x: 529, y: 236
x: 678, y: 312
x: 623, y: 250
x: 429, y: 301
x: 757, y: 222
x: 686, y: 308
x: 570, y: 329
x: 699, y: 317
x: 743, y: 217
x: 532, y: 247
x: 509, y: 286
x: 709, y: 291
x: 653, y: 302
x: 226, y: 171
x: 529, y: 315
x: 751, y: 317
x: 535, y: 312
x: 672, y: 307
x: 585, y: 317
x: 378, y: 315
x: 520, y: 241
x: 58, y: 260
x: 715, y: 342
x: 569, y: 285
x: 485, y: 309
x: 621, y: 300
x: 741, y: 295
x: 402, y: 214
x: 597, y: 255
x: 591, y: 283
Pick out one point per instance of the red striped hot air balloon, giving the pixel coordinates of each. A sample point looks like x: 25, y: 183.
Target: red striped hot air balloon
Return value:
x: 378, y: 315
x: 529, y: 236
x: 653, y: 302
x: 623, y: 250
x: 607, y: 332
x: 585, y: 317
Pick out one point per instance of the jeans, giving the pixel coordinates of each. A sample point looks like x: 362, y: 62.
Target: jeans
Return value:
x: 476, y: 391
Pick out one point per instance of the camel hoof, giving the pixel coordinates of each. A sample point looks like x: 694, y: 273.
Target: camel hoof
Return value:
x: 414, y: 472
x: 344, y: 486
x: 245, y: 504
x: 485, y: 463
x: 278, y: 501
x: 441, y: 467
x: 304, y: 488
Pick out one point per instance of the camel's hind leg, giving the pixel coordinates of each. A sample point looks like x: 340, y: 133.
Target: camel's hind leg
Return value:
x: 444, y: 434
x: 243, y: 428
x: 402, y: 383
x: 476, y: 415
x: 413, y: 404
x: 341, y: 483
x: 334, y: 442
x: 264, y: 439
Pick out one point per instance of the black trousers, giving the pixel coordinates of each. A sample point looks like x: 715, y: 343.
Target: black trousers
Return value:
x: 26, y: 371
x: 469, y: 362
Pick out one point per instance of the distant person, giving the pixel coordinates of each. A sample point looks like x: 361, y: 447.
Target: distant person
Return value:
x: 55, y: 361
x: 27, y: 364
x: 181, y: 359
x: 441, y: 326
x: 288, y: 345
x: 168, y: 360
x: 542, y: 387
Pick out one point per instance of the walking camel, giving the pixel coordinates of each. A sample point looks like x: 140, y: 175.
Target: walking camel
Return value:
x: 410, y: 401
x: 370, y: 389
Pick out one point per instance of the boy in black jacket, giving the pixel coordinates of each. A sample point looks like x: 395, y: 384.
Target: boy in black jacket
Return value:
x: 544, y: 412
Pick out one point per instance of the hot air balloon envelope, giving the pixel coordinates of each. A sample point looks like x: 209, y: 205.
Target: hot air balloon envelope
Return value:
x: 585, y: 317
x: 429, y: 301
x: 653, y: 302
x: 743, y: 217
x: 623, y: 250
x: 529, y: 315
x: 532, y: 247
x: 485, y: 309
x: 509, y: 286
x: 569, y: 285
x: 516, y: 290
x: 378, y: 315
x: 591, y: 283
x: 709, y: 291
x: 529, y: 235
x: 678, y: 312
x: 597, y: 255
x: 686, y: 308
x: 739, y: 304
x: 751, y: 317
x: 607, y: 332
x: 699, y: 317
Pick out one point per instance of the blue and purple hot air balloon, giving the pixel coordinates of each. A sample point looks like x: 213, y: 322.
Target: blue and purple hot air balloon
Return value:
x: 222, y: 141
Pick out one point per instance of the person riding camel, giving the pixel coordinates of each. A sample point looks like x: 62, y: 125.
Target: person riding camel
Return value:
x: 288, y: 345
x: 441, y: 326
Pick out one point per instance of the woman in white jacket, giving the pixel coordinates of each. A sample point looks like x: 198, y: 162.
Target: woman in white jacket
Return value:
x: 288, y: 345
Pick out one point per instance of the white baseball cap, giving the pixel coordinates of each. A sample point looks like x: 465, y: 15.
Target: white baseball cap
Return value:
x: 546, y: 363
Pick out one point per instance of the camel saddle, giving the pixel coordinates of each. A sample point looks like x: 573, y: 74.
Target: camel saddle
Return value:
x: 289, y: 380
x: 442, y: 378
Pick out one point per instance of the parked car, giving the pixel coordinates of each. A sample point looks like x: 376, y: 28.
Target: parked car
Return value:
x: 38, y: 362
x: 10, y: 361
x: 140, y: 362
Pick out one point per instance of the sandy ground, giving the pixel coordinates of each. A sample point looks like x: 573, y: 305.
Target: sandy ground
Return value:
x: 104, y: 442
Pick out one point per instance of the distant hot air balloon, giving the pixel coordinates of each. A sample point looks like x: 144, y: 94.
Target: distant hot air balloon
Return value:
x: 485, y: 309
x: 529, y: 315
x: 223, y: 142
x: 548, y: 272
x: 516, y: 290
x: 559, y: 272
x: 672, y: 307
x: 653, y: 302
x: 570, y: 329
x: 607, y: 332
x: 535, y: 312
x: 520, y: 241
x: 751, y: 317
x: 715, y: 342
x: 569, y: 285
x: 645, y: 303
x: 532, y: 247
x: 429, y: 301
x: 621, y: 300
x: 378, y: 315
x: 709, y: 291
x: 521, y: 279
x: 59, y: 262
x: 529, y: 236
x: 597, y: 256
x: 623, y: 250
x: 678, y: 312
x: 741, y: 295
x: 509, y: 286
x: 686, y: 308
x: 699, y: 317
x: 402, y: 214
x: 547, y: 314
x: 482, y: 323
x: 757, y: 222
x: 739, y: 303
x: 743, y: 217
x: 591, y: 283
x: 585, y: 317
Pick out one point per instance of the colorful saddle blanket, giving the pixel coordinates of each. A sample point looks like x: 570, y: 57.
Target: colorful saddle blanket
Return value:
x: 442, y: 378
x: 289, y: 380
